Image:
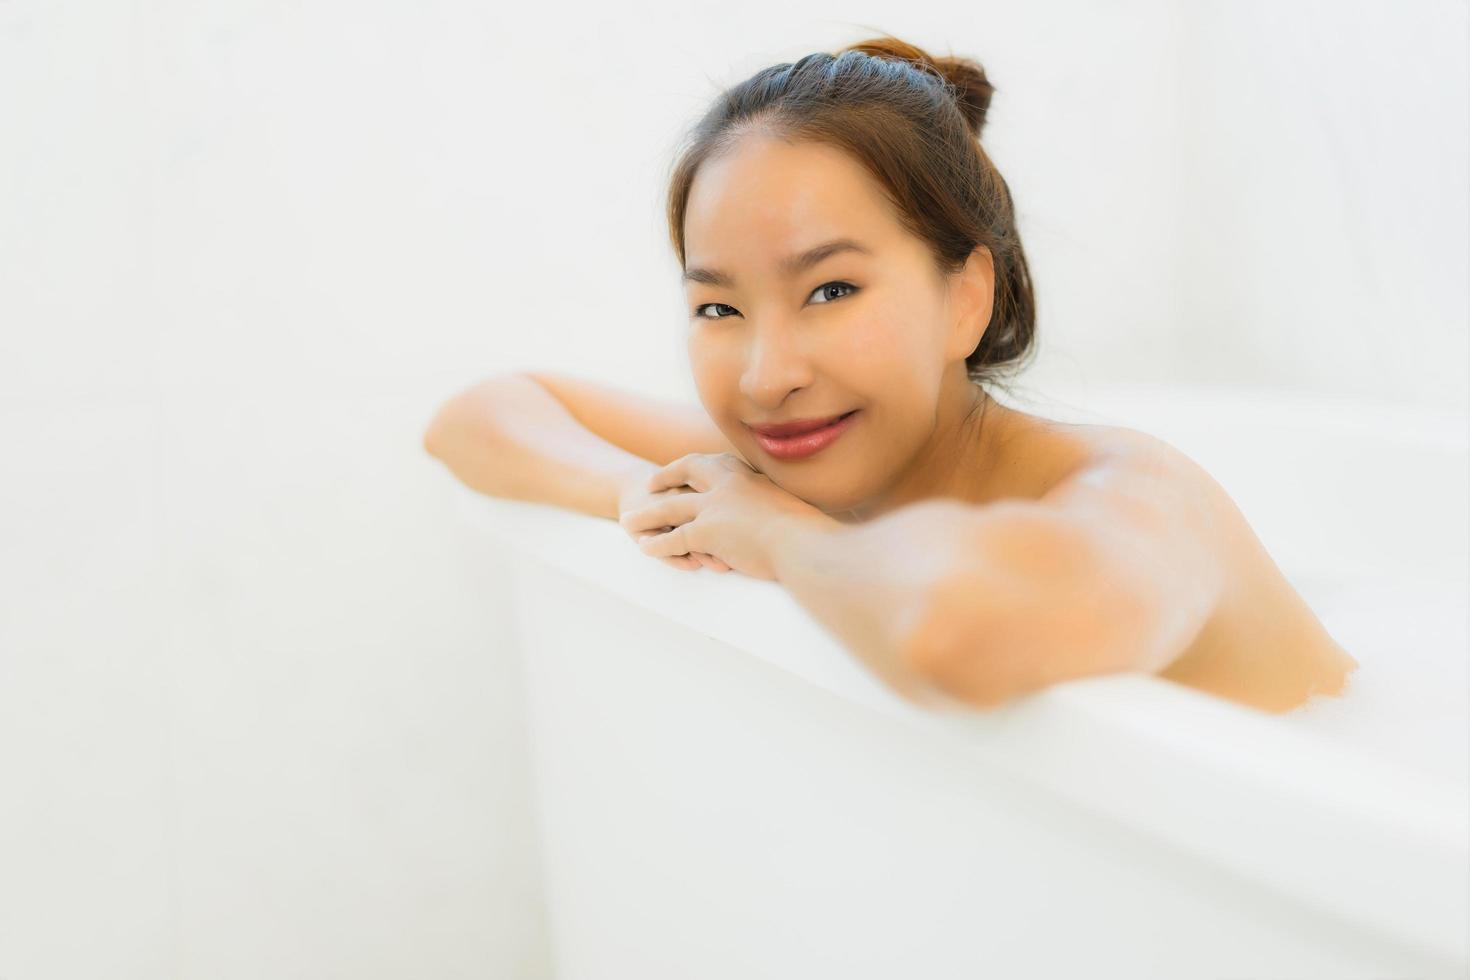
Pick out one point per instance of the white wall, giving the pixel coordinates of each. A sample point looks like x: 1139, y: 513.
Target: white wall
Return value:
x: 257, y: 705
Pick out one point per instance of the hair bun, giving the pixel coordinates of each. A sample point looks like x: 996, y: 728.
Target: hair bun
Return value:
x: 966, y: 77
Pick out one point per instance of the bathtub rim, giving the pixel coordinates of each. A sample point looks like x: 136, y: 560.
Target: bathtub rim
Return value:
x: 1170, y: 762
x: 1212, y: 779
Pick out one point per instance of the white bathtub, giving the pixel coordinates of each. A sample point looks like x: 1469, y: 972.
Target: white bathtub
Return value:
x: 724, y: 792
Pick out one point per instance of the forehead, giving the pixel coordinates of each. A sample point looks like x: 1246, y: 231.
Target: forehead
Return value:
x: 770, y: 198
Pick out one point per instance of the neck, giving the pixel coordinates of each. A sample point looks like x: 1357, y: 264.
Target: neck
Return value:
x: 951, y: 462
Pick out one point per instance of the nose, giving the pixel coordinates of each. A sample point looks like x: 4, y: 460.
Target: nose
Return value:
x: 775, y: 364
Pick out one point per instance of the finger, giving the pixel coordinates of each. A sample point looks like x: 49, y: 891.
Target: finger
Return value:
x: 642, y: 536
x: 667, y: 545
x: 671, y: 475
x: 676, y: 509
x: 682, y: 562
x: 639, y: 520
x: 716, y: 563
x: 692, y: 470
x: 706, y: 561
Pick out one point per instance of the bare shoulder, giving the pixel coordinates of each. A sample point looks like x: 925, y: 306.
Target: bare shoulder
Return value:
x: 1147, y: 504
x: 1044, y: 459
x: 1258, y: 642
x: 1140, y: 477
x: 1132, y: 496
x: 1225, y: 619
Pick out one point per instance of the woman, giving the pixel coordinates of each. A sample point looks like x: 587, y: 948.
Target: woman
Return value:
x: 855, y: 283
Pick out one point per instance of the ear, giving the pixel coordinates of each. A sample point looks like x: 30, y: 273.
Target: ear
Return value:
x: 972, y: 299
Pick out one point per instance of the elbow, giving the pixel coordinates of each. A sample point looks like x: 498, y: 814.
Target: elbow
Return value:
x: 441, y: 430
x: 970, y: 654
x: 461, y: 419
x: 972, y: 643
x: 989, y: 657
x: 433, y: 437
x: 1040, y: 606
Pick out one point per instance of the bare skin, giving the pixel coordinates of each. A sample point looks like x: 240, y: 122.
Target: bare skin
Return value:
x: 874, y: 329
x: 1263, y: 646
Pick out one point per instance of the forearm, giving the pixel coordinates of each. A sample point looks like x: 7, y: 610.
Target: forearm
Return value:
x: 978, y: 605
x: 510, y: 437
x: 873, y: 585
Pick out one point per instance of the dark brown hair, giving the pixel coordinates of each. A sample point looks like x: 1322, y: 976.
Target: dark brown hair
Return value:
x: 914, y: 121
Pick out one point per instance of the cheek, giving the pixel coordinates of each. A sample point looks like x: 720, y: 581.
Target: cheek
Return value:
x: 887, y: 350
x: 704, y: 363
x: 716, y: 379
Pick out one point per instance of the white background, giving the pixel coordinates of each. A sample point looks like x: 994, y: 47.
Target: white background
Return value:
x: 257, y: 718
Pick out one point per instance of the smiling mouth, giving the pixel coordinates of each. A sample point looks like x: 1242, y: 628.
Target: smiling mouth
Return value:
x: 806, y: 443
x: 785, y: 430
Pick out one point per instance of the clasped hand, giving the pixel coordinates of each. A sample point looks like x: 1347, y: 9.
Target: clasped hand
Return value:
x: 712, y: 509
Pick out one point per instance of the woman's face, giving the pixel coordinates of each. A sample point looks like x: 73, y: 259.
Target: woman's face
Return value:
x: 876, y: 328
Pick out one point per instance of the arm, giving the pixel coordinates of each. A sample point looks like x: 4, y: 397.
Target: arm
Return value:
x: 652, y: 428
x: 557, y: 438
x: 875, y: 585
x: 509, y: 437
x: 1112, y: 571
x: 1037, y: 599
x: 1116, y: 569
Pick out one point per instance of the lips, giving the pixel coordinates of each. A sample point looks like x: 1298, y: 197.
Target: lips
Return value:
x: 785, y: 430
x: 809, y: 443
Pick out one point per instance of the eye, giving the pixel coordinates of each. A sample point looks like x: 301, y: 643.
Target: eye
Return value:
x: 701, y: 316
x: 822, y: 289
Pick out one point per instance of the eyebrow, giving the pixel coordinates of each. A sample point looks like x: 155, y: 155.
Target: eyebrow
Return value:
x: 788, y: 266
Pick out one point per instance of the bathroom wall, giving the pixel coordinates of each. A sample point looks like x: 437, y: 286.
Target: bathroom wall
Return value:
x: 258, y: 699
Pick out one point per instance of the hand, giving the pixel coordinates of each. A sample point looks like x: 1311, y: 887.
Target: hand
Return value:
x: 634, y: 495
x: 716, y: 504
